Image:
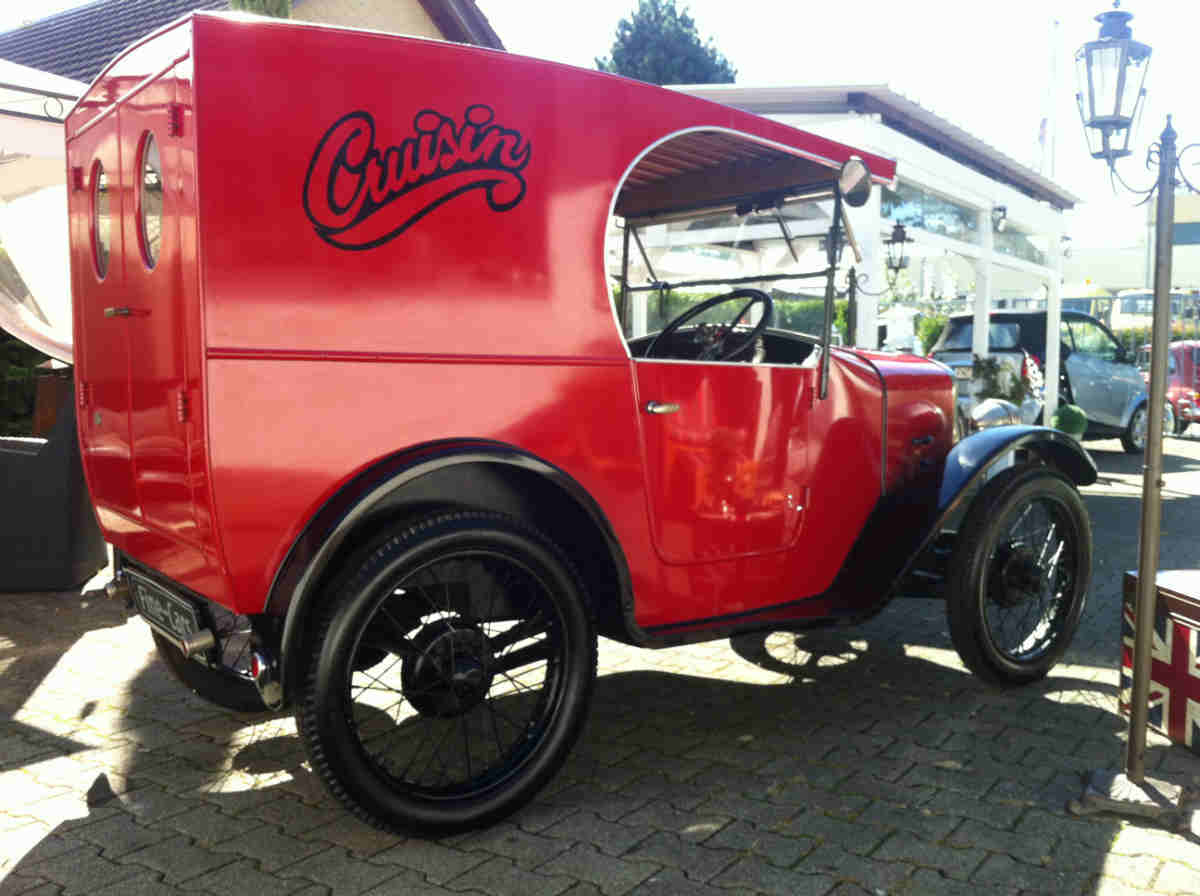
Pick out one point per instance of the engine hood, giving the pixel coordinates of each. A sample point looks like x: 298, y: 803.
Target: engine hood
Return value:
x: 918, y: 417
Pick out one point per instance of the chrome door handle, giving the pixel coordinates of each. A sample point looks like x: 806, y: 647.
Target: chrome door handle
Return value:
x: 662, y: 407
x: 118, y: 312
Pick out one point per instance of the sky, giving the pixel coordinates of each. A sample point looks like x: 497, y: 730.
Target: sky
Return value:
x: 986, y: 67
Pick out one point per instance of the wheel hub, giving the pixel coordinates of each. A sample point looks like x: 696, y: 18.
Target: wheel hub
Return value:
x: 452, y: 670
x: 1019, y: 580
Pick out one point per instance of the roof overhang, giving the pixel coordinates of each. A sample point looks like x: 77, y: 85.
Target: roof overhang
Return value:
x: 898, y: 113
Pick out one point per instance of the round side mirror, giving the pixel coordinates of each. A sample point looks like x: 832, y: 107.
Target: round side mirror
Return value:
x: 854, y: 182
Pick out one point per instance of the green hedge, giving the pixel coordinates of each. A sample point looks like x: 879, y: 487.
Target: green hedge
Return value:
x: 18, y: 385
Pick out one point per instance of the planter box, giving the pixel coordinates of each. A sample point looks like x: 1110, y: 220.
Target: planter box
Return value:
x: 1175, y: 667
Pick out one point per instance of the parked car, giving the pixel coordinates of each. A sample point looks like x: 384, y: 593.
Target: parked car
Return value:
x: 1097, y: 373
x: 377, y: 432
x: 1183, y: 380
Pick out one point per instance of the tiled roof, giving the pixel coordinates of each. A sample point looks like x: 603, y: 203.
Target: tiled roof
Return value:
x: 78, y: 43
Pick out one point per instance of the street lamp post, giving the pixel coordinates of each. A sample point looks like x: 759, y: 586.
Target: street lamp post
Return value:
x: 1111, y: 72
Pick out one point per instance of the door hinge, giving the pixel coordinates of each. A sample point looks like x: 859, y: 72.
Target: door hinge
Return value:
x: 182, y: 406
x: 85, y: 390
x: 175, y: 120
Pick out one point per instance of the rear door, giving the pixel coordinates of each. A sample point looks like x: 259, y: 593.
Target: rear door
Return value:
x: 97, y: 203
x: 153, y: 296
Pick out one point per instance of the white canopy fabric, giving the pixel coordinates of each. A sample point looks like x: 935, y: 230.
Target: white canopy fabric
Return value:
x: 35, y: 281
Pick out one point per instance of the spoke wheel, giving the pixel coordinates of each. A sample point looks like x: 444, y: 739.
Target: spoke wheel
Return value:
x: 1019, y: 576
x: 452, y: 674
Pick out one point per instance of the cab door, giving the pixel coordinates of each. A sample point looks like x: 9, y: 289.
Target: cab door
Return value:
x: 97, y: 206
x: 154, y: 317
x: 725, y: 456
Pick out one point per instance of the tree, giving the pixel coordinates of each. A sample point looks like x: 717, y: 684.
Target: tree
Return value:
x: 660, y: 44
x: 280, y: 9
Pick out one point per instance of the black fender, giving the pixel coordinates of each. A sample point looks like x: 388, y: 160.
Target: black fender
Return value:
x: 375, y: 494
x: 905, y: 523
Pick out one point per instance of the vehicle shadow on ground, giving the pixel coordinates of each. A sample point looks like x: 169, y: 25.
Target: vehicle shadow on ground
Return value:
x: 834, y: 754
x: 1111, y: 459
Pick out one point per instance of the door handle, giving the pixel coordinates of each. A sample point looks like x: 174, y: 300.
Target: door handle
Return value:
x: 662, y: 407
x: 124, y: 311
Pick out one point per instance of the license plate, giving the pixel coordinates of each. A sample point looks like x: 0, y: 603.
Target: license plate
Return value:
x: 175, y: 615
x: 963, y: 373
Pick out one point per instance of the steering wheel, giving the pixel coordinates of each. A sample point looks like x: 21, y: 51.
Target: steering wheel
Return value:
x: 719, y: 348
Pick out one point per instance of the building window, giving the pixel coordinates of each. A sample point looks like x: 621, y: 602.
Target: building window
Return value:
x: 101, y: 220
x: 150, y: 200
x: 1020, y: 244
x: 914, y: 207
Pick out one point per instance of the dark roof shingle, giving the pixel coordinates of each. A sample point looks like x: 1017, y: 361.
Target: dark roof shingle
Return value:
x: 80, y: 42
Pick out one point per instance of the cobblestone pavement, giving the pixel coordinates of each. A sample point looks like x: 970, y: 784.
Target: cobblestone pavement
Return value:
x: 858, y: 761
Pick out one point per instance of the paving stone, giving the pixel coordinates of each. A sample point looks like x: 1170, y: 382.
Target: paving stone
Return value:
x: 851, y: 835
x: 922, y: 821
x: 762, y: 813
x: 405, y: 883
x: 341, y: 872
x: 670, y: 882
x: 900, y: 793
x: 926, y: 882
x: 120, y: 835
x: 436, y: 862
x: 292, y: 816
x: 776, y: 849
x: 177, y: 859
x: 607, y: 836
x: 206, y: 825
x: 526, y: 849
x: 609, y: 806
x: 81, y: 871
x: 685, y: 795
x: 243, y: 877
x: 613, y: 876
x: 357, y: 837
x: 953, y: 862
x: 271, y: 849
x: 694, y: 826
x: 541, y: 814
x: 1178, y: 879
x: 1112, y: 886
x: 697, y: 862
x: 756, y: 875
x: 151, y: 804
x: 1005, y: 871
x: 830, y: 859
x: 953, y: 805
x: 19, y: 885
x: 500, y: 877
x: 1024, y: 848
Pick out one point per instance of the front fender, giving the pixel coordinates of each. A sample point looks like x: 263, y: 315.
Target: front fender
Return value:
x: 975, y: 455
x: 1135, y: 402
x: 905, y: 523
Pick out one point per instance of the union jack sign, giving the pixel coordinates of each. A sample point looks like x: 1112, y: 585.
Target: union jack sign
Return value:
x: 1174, y: 677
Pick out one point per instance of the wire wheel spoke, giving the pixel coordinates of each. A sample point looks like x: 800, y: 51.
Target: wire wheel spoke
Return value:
x: 466, y: 680
x: 1030, y: 577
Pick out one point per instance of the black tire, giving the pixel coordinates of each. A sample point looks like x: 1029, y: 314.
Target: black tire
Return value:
x: 410, y: 649
x: 1180, y: 425
x: 1133, y: 439
x: 222, y: 686
x: 997, y: 573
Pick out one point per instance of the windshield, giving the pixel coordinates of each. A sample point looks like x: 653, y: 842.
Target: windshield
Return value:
x: 720, y: 247
x: 1001, y: 335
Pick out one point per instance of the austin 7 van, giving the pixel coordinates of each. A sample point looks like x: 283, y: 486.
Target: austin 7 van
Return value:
x: 406, y: 370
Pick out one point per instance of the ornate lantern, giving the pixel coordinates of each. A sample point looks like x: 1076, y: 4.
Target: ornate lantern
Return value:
x: 1110, y: 72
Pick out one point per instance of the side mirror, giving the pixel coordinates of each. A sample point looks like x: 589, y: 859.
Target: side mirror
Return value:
x: 854, y: 182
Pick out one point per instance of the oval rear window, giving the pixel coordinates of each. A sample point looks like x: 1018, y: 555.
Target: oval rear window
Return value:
x: 150, y: 200
x: 101, y: 220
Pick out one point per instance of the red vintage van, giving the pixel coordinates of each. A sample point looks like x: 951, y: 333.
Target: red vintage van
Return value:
x: 407, y: 369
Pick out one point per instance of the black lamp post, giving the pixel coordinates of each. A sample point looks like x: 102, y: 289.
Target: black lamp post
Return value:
x: 1111, y: 72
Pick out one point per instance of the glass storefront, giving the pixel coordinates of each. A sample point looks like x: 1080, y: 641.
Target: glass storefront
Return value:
x: 913, y: 207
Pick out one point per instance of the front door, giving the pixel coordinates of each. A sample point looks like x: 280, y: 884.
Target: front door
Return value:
x: 725, y: 456
x: 1100, y: 384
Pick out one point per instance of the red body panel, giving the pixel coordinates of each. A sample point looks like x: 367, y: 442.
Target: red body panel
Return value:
x: 323, y: 302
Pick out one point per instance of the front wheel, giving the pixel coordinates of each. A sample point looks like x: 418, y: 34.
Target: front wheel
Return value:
x: 1133, y: 440
x: 1019, y: 576
x: 451, y: 674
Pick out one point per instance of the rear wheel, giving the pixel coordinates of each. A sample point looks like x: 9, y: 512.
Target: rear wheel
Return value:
x: 1019, y: 576
x: 451, y: 674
